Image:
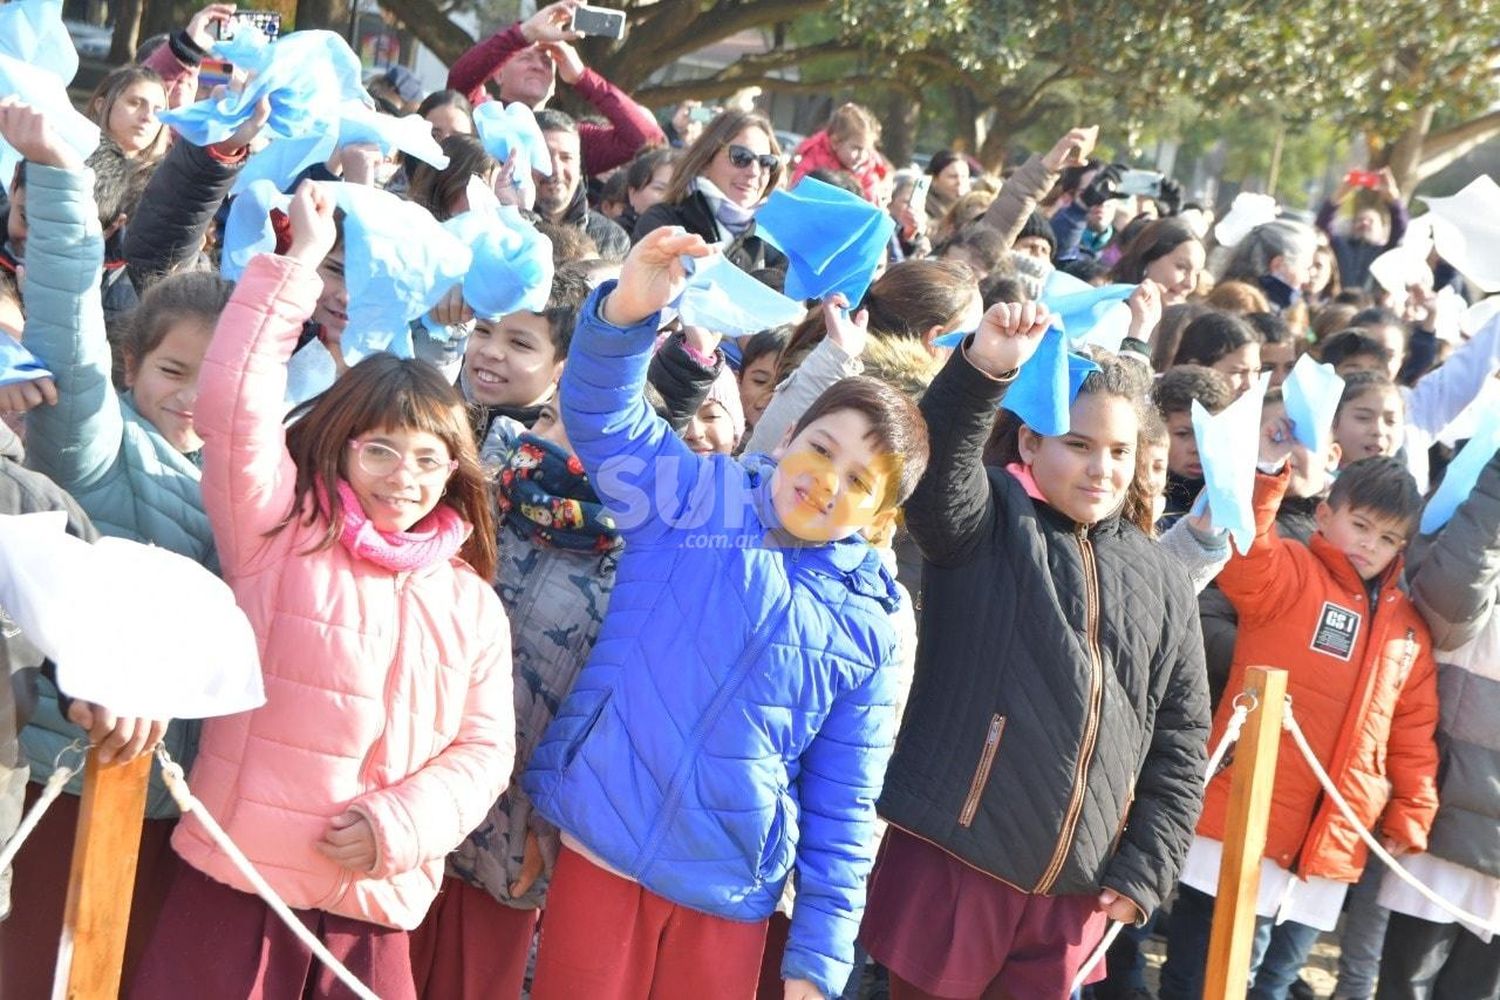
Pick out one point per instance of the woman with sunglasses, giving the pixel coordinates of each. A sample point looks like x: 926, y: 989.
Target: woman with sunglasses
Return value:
x: 718, y: 184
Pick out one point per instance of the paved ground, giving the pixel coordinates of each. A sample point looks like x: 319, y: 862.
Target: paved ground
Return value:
x: 1321, y: 971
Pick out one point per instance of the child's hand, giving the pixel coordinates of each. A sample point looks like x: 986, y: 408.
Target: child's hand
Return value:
x: 1394, y: 847
x: 1276, y: 441
x: 801, y: 989
x: 20, y: 397
x: 1119, y: 908
x: 242, y: 137
x: 702, y: 340
x: 531, y: 867
x: 850, y: 333
x: 350, y: 841
x: 1008, y: 336
x: 26, y: 128
x: 451, y: 309
x: 313, y: 231
x: 357, y: 162
x: 120, y: 739
x: 652, y: 276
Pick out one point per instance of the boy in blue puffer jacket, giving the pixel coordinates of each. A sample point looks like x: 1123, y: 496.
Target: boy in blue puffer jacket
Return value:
x: 735, y: 717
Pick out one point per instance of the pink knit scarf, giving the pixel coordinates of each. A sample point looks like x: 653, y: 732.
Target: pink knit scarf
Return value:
x: 436, y: 538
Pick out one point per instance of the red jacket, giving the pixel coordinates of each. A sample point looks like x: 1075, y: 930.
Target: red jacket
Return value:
x: 631, y: 127
x: 1363, y: 686
x: 816, y: 153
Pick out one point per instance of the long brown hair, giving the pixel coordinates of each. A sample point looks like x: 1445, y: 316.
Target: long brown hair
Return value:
x: 390, y: 392
x: 720, y: 133
x: 101, y: 104
x: 439, y: 190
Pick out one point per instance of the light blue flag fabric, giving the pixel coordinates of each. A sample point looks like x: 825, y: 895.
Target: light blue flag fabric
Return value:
x: 310, y: 370
x: 1311, y: 394
x: 1463, y: 472
x: 1228, y: 447
x: 722, y: 298
x: 283, y: 160
x: 247, y: 231
x: 513, y: 129
x: 17, y: 364
x: 1042, y: 394
x: 32, y: 31
x: 512, y: 265
x: 833, y: 239
x: 307, y: 76
x: 950, y: 341
x: 398, y: 260
x: 398, y: 263
x: 46, y: 92
x: 1091, y: 315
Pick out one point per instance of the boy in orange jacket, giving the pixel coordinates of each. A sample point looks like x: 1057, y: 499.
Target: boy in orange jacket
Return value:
x: 1363, y: 685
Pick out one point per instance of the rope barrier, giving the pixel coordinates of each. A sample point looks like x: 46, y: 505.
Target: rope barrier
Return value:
x: 61, y: 775
x: 1244, y: 704
x: 177, y: 784
x: 1470, y: 920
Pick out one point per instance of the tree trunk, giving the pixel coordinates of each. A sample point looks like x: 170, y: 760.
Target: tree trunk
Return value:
x: 1404, y: 156
x: 965, y: 119
x: 421, y: 17
x: 898, y: 127
x: 127, y: 32
x: 996, y: 144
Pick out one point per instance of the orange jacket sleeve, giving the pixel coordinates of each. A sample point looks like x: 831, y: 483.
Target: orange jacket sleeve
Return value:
x: 1412, y: 755
x: 1267, y: 580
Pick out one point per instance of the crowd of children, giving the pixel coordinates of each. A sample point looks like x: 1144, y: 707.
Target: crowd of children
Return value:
x: 615, y: 646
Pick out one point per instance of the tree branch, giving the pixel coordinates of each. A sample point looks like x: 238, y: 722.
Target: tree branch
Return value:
x: 446, y: 40
x: 707, y: 89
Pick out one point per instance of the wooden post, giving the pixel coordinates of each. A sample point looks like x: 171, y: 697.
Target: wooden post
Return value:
x: 1228, y: 972
x: 102, y: 880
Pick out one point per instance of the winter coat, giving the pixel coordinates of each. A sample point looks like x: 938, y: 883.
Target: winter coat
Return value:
x: 132, y: 483
x: 816, y: 153
x: 612, y: 242
x: 747, y: 252
x: 178, y: 206
x: 1363, y: 687
x: 1455, y: 579
x: 735, y: 716
x: 682, y: 380
x: 1221, y: 625
x: 22, y: 492
x: 555, y: 599
x: 631, y: 127
x: 386, y: 692
x: 1018, y: 198
x: 1055, y: 737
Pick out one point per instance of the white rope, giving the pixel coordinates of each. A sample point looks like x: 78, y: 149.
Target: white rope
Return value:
x: 1474, y: 922
x: 61, y: 775
x: 1242, y: 710
x: 177, y: 784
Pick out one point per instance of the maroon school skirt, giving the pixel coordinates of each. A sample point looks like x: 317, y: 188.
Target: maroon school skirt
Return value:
x: 214, y: 941
x: 952, y: 931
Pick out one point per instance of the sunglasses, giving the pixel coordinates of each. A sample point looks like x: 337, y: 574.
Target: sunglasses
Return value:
x: 741, y: 157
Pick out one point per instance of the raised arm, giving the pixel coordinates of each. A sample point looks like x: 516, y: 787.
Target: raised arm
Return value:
x: 1454, y: 573
x: 1265, y: 582
x: 76, y: 440
x: 177, y: 208
x: 623, y: 444
x: 953, y: 507
x: 631, y: 127
x: 475, y: 67
x: 1019, y: 195
x: 1443, y: 393
x: 248, y: 476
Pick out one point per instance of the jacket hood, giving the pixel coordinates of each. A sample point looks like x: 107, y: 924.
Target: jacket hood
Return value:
x: 10, y: 444
x: 854, y: 558
x: 901, y: 362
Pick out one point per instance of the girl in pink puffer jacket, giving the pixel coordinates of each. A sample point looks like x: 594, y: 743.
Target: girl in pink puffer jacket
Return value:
x: 359, y: 542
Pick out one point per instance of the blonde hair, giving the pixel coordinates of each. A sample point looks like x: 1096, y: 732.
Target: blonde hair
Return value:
x: 851, y: 120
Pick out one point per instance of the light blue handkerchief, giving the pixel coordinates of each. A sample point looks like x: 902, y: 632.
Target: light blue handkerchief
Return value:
x: 1311, y: 393
x: 17, y: 364
x: 46, y: 92
x: 1463, y: 472
x: 1228, y: 446
x: 722, y: 298
x: 1042, y: 394
x: 833, y: 239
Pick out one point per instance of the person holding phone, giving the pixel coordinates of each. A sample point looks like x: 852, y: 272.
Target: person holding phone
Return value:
x: 1373, y: 231
x: 525, y: 62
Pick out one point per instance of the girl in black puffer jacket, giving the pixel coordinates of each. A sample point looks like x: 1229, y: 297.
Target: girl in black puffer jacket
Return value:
x: 1050, y: 764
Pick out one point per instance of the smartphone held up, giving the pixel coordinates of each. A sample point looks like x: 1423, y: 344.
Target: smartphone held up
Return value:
x: 268, y: 21
x: 599, y: 22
